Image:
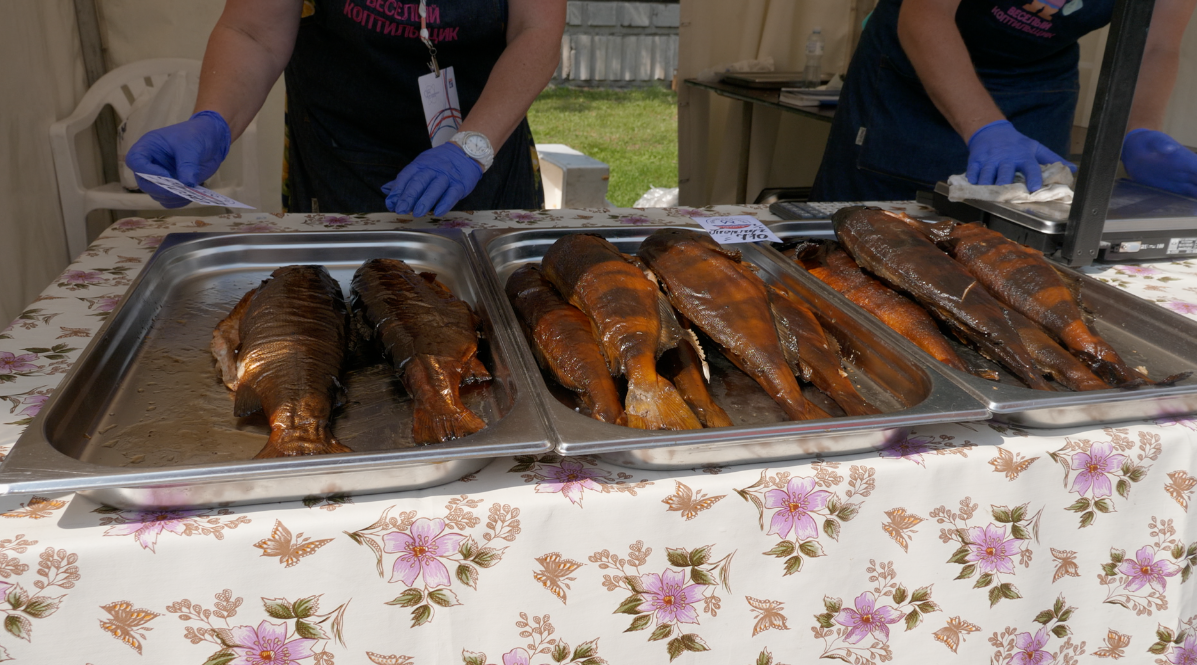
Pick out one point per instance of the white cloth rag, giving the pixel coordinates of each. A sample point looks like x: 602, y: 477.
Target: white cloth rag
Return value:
x: 1057, y: 186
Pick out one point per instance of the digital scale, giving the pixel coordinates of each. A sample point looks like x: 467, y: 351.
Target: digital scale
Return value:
x: 1141, y: 222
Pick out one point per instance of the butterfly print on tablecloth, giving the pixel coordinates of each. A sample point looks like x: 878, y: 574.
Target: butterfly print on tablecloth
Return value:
x: 954, y: 633
x: 126, y: 623
x: 390, y: 659
x: 1115, y: 643
x: 38, y: 507
x: 768, y: 615
x: 900, y: 525
x: 1067, y: 567
x: 288, y: 549
x: 689, y: 502
x: 1180, y: 487
x: 555, y: 572
x: 1010, y: 463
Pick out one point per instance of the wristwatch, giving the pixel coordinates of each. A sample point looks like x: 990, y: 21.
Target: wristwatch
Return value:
x: 477, y: 146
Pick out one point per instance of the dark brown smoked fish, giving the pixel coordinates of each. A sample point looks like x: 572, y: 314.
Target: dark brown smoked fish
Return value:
x: 832, y: 265
x: 280, y: 350
x: 430, y: 337
x: 728, y: 302
x: 1023, y: 279
x: 564, y: 342
x: 883, y: 243
x: 812, y: 355
x: 683, y: 365
x: 622, y: 305
x: 1051, y: 358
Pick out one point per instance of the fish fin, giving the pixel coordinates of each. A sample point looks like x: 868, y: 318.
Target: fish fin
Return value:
x: 787, y: 336
x: 246, y: 401
x: 437, y: 412
x: 299, y: 442
x: 809, y: 253
x: 439, y: 425
x: 1175, y: 378
x: 429, y: 277
x: 933, y: 231
x: 671, y: 331
x: 226, y: 341
x: 475, y: 372
x: 658, y: 407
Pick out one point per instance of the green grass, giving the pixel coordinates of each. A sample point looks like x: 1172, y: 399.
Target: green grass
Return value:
x: 634, y: 131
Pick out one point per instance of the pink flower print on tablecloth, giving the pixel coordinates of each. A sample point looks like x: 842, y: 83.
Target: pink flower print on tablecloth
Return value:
x: 1030, y: 649
x: 267, y: 645
x: 1144, y: 569
x: 911, y: 448
x: 796, y: 502
x: 336, y: 221
x: 670, y: 598
x: 130, y: 223
x: 990, y: 549
x: 81, y: 277
x: 636, y: 220
x: 10, y: 362
x: 1187, y: 423
x: 570, y: 479
x: 146, y: 526
x: 1185, y: 655
x: 520, y: 216
x: 33, y: 405
x: 1141, y: 271
x: 867, y: 619
x: 1093, y: 467
x: 422, y: 549
x: 152, y: 241
x: 1180, y: 306
x: 516, y: 656
x: 107, y: 303
x: 260, y: 227
x: 455, y: 223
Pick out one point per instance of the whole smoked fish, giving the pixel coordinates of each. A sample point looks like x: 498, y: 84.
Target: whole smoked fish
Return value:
x: 900, y: 255
x: 832, y: 266
x: 1023, y: 279
x: 430, y: 337
x: 280, y: 350
x: 623, y: 306
x: 728, y: 302
x: 564, y: 342
x: 1051, y: 358
x: 684, y: 366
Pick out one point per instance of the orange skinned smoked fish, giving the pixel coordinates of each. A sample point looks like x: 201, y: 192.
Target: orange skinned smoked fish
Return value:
x: 564, y: 342
x: 812, y: 355
x: 683, y: 365
x: 1051, y: 358
x: 280, y: 350
x: 833, y: 266
x: 728, y: 302
x: 623, y: 307
x: 1023, y: 279
x: 430, y: 337
x: 884, y: 244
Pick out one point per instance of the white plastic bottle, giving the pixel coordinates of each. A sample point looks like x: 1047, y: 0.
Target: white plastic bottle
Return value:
x: 812, y: 74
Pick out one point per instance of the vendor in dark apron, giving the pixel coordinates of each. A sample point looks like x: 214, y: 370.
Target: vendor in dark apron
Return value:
x: 358, y: 139
x: 889, y: 139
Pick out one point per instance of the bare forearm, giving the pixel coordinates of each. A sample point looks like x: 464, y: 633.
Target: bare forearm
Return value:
x: 244, y: 58
x: 1161, y: 61
x: 929, y: 36
x: 521, y: 73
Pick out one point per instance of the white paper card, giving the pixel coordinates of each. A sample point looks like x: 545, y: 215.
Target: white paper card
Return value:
x: 201, y: 195
x: 442, y: 111
x: 740, y: 228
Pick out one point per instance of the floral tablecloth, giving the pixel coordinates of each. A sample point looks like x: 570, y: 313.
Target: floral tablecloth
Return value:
x: 965, y: 543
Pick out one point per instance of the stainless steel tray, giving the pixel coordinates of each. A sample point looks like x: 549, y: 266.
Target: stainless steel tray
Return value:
x: 141, y: 419
x: 902, y: 388
x: 1143, y: 333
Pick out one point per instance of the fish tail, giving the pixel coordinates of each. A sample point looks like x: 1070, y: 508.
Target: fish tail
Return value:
x: 433, y: 425
x: 439, y: 414
x: 658, y: 406
x: 604, y: 406
x: 296, y: 442
x: 850, y: 400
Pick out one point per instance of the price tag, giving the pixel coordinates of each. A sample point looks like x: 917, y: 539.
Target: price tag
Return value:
x: 740, y: 228
x: 201, y: 195
x: 442, y: 111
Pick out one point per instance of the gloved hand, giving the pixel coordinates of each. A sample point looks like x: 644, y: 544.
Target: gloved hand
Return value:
x: 189, y: 152
x: 436, y: 179
x: 997, y: 151
x: 1157, y: 160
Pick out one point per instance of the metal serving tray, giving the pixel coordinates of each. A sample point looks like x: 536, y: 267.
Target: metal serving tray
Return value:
x: 141, y: 419
x: 907, y: 393
x: 1143, y: 333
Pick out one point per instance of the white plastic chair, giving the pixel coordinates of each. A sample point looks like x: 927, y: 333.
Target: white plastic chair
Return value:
x: 237, y: 179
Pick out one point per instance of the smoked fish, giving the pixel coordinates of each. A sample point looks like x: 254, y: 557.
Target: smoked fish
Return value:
x: 280, y: 350
x: 564, y: 342
x: 832, y: 266
x: 623, y: 306
x: 1023, y: 279
x: 728, y: 302
x: 431, y: 339
x: 812, y: 355
x: 684, y: 366
x: 884, y: 244
x: 1051, y: 358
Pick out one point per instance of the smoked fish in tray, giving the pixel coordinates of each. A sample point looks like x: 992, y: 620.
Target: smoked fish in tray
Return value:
x: 748, y: 382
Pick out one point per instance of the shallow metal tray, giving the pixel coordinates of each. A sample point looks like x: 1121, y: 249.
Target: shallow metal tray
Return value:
x: 141, y: 419
x: 1143, y: 333
x: 908, y: 393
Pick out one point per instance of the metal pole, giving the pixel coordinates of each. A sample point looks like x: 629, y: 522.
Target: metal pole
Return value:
x: 1107, y: 127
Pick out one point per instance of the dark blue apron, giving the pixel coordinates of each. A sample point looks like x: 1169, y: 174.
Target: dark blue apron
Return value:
x: 888, y: 140
x: 354, y: 115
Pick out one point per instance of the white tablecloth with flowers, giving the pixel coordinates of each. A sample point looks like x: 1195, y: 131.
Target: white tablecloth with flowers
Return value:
x: 964, y: 544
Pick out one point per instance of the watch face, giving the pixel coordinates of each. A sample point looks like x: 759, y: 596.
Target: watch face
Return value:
x: 475, y: 145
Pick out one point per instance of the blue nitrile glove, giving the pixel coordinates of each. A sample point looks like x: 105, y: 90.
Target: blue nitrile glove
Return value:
x: 189, y: 152
x: 997, y: 151
x: 435, y: 180
x: 1157, y: 160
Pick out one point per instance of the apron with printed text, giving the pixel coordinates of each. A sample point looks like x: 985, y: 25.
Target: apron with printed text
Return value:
x: 888, y: 139
x: 354, y: 112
